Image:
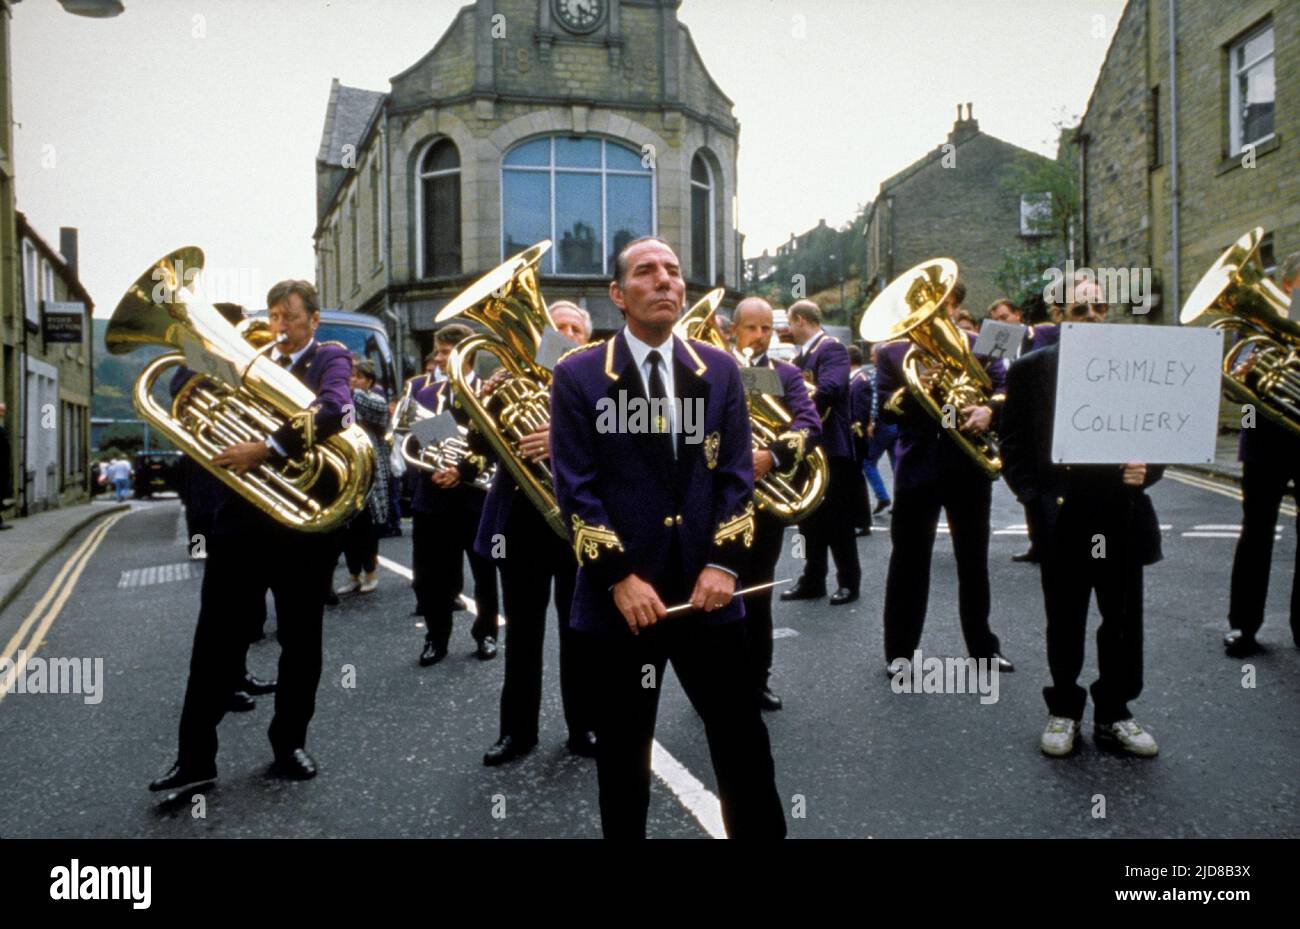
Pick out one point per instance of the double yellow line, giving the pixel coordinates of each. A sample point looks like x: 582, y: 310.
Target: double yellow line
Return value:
x: 1231, y: 491
x: 47, y: 609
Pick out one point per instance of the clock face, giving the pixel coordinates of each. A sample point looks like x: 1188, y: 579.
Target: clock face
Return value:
x: 580, y: 15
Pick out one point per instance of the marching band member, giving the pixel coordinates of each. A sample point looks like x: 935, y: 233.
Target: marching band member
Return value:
x: 934, y: 474
x: 531, y: 557
x: 249, y: 552
x: 661, y: 515
x: 361, y: 536
x: 752, y: 330
x: 1270, y: 460
x: 826, y: 362
x: 445, y: 517
x: 861, y: 393
x: 1077, y: 506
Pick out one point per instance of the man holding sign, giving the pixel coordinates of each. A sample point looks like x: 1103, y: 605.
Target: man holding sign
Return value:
x: 1098, y: 530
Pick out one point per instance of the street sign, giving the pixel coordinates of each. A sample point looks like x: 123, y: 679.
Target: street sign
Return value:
x: 1137, y: 393
x: 64, y: 322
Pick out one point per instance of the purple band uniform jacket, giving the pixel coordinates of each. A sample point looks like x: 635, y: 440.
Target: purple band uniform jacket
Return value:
x: 828, y: 362
x: 861, y: 392
x: 804, y: 423
x: 625, y: 503
x: 428, y: 498
x: 924, y: 451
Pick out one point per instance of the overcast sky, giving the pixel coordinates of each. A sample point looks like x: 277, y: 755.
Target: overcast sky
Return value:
x: 185, y: 122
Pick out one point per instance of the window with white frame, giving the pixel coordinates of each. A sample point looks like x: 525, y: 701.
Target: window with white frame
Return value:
x: 1036, y: 214
x: 31, y: 283
x: 1251, y: 89
x: 589, y: 196
x: 47, y: 281
x: 702, y: 234
x: 438, y: 210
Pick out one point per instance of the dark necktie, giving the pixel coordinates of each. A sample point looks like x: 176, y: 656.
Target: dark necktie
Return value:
x: 284, y: 361
x: 659, y: 405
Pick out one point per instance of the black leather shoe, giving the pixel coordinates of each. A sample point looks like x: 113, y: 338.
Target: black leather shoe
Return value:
x: 768, y: 700
x: 882, y: 506
x: 507, y: 749
x: 802, y: 591
x: 843, y: 595
x: 1029, y: 557
x: 240, y: 702
x: 1003, y: 666
x: 432, y: 654
x: 583, y: 743
x: 487, y: 648
x: 257, y: 686
x: 179, y: 778
x: 1237, y: 644
x: 297, y: 766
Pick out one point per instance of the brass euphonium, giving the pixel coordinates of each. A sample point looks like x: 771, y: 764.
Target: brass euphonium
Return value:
x: 1246, y: 303
x: 240, y: 396
x: 912, y: 307
x: 508, y: 302
x: 437, y: 456
x: 794, y: 491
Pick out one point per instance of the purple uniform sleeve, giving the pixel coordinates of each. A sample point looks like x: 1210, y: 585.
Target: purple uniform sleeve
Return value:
x: 333, y: 401
x: 733, y: 482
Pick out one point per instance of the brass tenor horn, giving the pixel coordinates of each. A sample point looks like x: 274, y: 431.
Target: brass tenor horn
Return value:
x: 1262, y: 367
x: 238, y: 396
x: 912, y: 307
x: 508, y: 302
x: 794, y: 491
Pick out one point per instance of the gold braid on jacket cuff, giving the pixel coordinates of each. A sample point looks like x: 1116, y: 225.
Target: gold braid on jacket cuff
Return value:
x: 587, y: 540
x: 741, y: 526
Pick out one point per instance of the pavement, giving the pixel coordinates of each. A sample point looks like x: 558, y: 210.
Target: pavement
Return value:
x: 400, y: 747
x: 31, y: 540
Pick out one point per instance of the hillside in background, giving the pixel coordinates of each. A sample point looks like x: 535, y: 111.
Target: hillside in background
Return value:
x: 114, y: 377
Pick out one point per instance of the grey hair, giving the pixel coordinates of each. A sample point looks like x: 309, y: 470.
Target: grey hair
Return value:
x: 583, y: 314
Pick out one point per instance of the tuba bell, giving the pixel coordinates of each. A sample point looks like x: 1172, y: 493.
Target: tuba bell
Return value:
x: 238, y: 396
x: 508, y: 302
x: 1241, y: 300
x: 794, y: 491
x: 912, y: 307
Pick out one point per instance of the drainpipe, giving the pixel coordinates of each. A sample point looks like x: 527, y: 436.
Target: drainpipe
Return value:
x: 399, y: 330
x: 1173, y: 154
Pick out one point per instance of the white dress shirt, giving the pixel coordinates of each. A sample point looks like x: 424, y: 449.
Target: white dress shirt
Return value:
x: 641, y: 355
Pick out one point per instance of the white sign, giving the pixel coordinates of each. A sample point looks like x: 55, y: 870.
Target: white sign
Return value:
x: 1137, y: 393
x: 999, y: 340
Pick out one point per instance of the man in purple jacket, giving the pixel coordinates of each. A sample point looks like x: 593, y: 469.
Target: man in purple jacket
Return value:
x: 250, y: 552
x: 825, y: 362
x: 752, y: 330
x: 653, y: 469
x: 933, y: 474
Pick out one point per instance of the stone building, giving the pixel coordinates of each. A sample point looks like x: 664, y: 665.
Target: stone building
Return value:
x: 954, y: 202
x: 588, y: 124
x: 1233, y: 147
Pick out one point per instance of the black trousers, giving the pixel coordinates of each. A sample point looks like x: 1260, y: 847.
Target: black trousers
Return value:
x: 295, y: 567
x: 831, y: 527
x: 912, y: 530
x: 1263, y: 485
x: 1070, y: 575
x: 439, y: 545
x: 710, y: 663
x: 769, y: 535
x: 534, y: 558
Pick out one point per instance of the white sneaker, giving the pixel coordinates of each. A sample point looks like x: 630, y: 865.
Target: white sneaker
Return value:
x: 350, y: 587
x: 1126, y: 736
x: 1058, y: 737
x: 369, y: 584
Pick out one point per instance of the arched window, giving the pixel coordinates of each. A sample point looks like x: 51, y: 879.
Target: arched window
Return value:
x: 701, y: 221
x: 439, y: 210
x: 589, y: 196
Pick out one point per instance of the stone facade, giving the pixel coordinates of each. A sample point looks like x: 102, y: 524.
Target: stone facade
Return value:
x: 1128, y: 149
x: 505, y: 72
x: 952, y: 203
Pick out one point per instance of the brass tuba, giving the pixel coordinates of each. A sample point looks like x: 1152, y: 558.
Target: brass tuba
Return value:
x: 508, y: 302
x: 1248, y: 304
x: 912, y: 306
x: 795, y: 490
x: 239, y: 396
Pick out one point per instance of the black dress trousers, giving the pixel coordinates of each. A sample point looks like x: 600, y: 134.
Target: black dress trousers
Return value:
x: 769, y: 535
x: 831, y: 527
x: 1263, y: 484
x: 440, y: 544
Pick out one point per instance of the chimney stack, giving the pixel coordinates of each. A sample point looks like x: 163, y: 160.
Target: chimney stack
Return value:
x: 68, y: 248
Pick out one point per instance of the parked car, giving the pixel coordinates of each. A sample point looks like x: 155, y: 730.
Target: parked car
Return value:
x: 155, y: 473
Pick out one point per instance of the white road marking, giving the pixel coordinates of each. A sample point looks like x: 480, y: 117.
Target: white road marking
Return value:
x: 698, y: 800
x: 1211, y: 535
x: 784, y: 632
x: 157, y: 574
